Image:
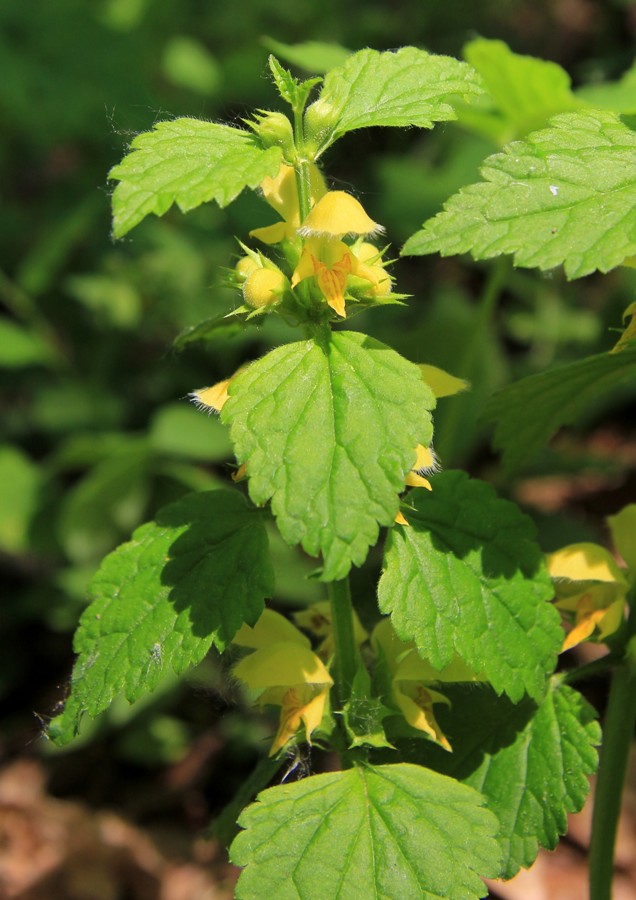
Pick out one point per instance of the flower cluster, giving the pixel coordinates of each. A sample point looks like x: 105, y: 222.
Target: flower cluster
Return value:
x: 283, y: 670
x: 315, y: 252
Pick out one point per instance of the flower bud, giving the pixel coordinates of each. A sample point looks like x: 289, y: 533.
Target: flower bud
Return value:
x: 264, y: 287
x: 275, y: 130
x: 244, y: 267
x: 320, y: 119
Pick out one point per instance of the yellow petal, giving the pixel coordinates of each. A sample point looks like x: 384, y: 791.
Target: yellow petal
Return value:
x: 442, y: 383
x: 623, y: 529
x: 332, y: 282
x: 305, y: 267
x: 399, y: 519
x: 585, y: 562
x: 418, y: 711
x: 284, y: 663
x: 583, y: 629
x: 415, y: 480
x: 274, y: 234
x: 271, y: 628
x: 385, y: 641
x: 337, y: 214
x: 212, y: 399
x: 240, y: 473
x: 296, y: 709
x: 425, y: 460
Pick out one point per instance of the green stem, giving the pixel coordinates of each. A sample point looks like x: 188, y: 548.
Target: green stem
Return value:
x: 617, y: 736
x: 302, y: 165
x: 224, y: 826
x: 344, y: 641
x: 453, y: 423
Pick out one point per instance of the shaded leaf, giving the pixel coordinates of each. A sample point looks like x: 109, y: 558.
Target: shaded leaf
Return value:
x: 531, y: 763
x: 528, y: 412
x: 186, y: 581
x: 466, y: 576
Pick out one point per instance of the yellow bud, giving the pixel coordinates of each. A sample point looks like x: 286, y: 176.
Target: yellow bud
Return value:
x: 264, y: 287
x: 245, y: 266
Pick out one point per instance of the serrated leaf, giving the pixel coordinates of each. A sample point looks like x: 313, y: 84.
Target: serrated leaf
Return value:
x: 187, y: 162
x: 530, y: 762
x: 408, y: 87
x: 466, y: 576
x: 184, y: 582
x: 525, y: 91
x: 385, y: 831
x: 328, y: 429
x: 528, y: 412
x: 563, y: 196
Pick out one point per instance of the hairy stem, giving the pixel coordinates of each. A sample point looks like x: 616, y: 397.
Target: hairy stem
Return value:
x: 302, y: 165
x: 617, y: 736
x: 344, y: 640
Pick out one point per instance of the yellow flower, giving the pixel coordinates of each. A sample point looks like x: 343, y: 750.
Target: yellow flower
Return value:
x: 443, y: 384
x: 317, y: 619
x: 590, y: 588
x: 282, y: 194
x: 284, y: 671
x: 411, y: 679
x: 325, y: 256
x: 213, y: 399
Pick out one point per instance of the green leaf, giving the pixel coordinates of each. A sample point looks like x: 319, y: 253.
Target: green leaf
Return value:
x: 291, y: 90
x: 186, y: 581
x: 530, y: 762
x: 618, y: 96
x: 316, y: 57
x: 566, y: 195
x: 408, y: 87
x: 385, y: 831
x: 528, y: 412
x: 20, y: 348
x: 328, y: 429
x: 22, y: 484
x: 228, y: 326
x: 189, y: 64
x: 106, y: 504
x: 525, y: 91
x: 187, y: 162
x: 180, y: 430
x: 466, y: 576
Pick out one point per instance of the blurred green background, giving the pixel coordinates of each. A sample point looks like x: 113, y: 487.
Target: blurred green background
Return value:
x: 97, y: 433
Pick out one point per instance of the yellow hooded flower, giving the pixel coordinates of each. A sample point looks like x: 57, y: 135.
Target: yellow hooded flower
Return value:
x: 282, y: 194
x: 411, y: 679
x: 213, y: 399
x: 443, y: 384
x: 325, y: 256
x: 590, y: 588
x: 317, y: 619
x: 284, y: 671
